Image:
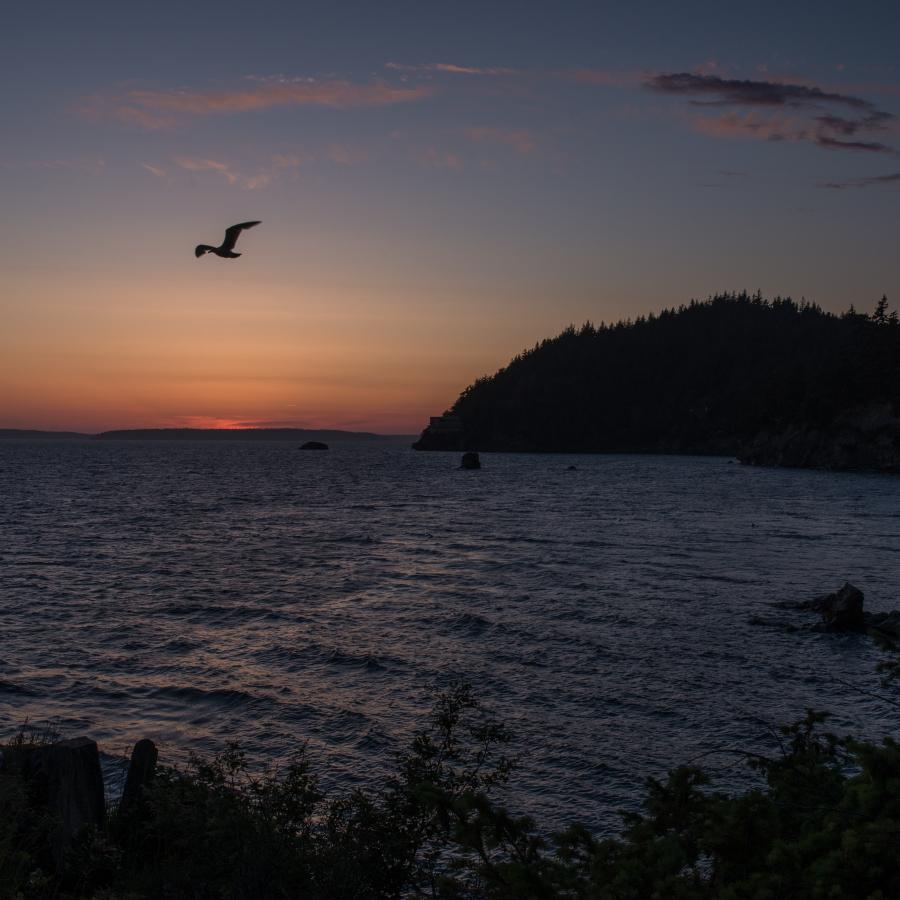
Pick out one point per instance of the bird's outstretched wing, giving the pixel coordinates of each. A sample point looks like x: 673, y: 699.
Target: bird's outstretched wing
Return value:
x: 232, y: 234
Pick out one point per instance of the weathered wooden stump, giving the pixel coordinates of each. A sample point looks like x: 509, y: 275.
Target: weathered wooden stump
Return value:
x: 68, y: 780
x: 141, y: 770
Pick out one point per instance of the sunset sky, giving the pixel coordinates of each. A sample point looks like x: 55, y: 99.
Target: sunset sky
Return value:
x: 440, y: 186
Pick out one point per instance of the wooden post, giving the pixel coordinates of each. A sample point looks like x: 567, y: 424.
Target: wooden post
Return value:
x: 141, y: 770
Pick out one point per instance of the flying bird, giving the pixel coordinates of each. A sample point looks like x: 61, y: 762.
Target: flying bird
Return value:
x: 226, y: 248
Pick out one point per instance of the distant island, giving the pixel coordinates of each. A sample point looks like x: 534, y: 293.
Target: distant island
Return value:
x: 206, y: 434
x: 772, y: 382
x: 11, y: 434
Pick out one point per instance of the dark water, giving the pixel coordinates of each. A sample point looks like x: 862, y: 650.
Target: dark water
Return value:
x: 199, y: 593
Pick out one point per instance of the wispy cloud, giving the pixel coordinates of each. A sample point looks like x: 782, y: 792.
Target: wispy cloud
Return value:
x: 716, y: 91
x: 521, y: 141
x: 160, y: 109
x: 208, y: 165
x: 832, y: 143
x: 261, y: 177
x: 870, y: 181
x: 450, y: 69
x: 751, y: 124
x: 779, y: 111
x: 264, y: 172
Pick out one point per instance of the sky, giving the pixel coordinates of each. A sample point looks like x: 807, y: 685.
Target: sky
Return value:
x: 441, y: 185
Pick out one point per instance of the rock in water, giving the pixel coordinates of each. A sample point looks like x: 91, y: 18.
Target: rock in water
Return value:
x: 470, y: 460
x: 888, y: 623
x: 846, y: 612
x: 842, y: 610
x: 141, y: 770
x: 314, y: 445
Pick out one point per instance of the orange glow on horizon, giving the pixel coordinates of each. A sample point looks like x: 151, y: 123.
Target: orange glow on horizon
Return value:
x: 195, y: 353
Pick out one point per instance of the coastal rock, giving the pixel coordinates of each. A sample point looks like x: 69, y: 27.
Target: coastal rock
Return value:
x: 887, y: 623
x: 470, y: 460
x: 314, y: 445
x: 842, y: 610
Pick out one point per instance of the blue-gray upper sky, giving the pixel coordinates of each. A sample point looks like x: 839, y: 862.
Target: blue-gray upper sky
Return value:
x: 440, y: 185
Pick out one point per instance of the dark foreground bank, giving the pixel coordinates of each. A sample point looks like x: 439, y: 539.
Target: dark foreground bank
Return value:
x: 823, y: 821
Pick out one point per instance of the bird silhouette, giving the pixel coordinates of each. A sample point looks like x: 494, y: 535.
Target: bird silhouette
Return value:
x: 226, y: 248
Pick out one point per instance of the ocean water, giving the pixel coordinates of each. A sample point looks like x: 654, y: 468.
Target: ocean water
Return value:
x: 198, y: 593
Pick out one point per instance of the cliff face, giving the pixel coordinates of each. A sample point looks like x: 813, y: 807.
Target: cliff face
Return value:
x: 866, y: 440
x: 775, y: 383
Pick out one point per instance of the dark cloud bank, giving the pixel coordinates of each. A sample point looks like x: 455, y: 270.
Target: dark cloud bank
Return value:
x: 819, y: 123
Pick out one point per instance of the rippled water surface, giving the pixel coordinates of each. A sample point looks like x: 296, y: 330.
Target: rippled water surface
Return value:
x: 197, y: 593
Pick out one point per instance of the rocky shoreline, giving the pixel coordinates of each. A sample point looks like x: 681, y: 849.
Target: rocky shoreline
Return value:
x: 867, y: 441
x: 864, y: 441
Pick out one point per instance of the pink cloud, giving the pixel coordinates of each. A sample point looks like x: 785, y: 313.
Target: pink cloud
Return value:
x: 159, y: 109
x: 208, y: 165
x: 821, y: 132
x: 261, y: 178
x: 751, y: 125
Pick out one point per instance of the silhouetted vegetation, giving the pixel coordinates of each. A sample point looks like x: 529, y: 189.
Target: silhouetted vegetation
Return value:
x: 824, y: 821
x: 709, y: 377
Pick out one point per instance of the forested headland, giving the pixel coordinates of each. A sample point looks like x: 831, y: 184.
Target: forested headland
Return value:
x: 770, y: 381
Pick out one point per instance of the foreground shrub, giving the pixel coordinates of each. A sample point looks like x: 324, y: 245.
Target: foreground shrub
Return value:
x: 824, y: 822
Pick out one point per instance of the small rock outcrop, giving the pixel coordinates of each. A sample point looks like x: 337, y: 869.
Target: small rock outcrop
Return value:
x: 888, y: 623
x: 314, y: 445
x: 470, y: 460
x: 842, y: 610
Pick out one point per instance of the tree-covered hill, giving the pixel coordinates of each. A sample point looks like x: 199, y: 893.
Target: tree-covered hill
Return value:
x: 773, y: 381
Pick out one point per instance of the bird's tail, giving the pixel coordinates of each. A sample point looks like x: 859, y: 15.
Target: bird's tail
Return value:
x: 200, y: 249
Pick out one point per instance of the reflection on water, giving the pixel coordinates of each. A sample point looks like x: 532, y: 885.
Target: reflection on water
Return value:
x: 199, y: 593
